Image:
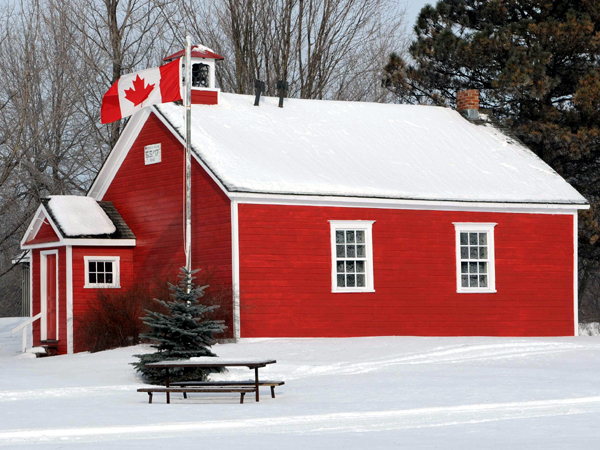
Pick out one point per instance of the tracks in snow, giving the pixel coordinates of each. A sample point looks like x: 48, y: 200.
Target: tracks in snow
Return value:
x: 320, y: 423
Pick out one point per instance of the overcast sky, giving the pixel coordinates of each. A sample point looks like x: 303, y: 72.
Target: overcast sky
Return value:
x: 412, y: 9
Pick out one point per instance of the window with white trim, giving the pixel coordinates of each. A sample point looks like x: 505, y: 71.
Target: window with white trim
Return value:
x: 352, y: 255
x: 475, y: 257
x: 102, y: 271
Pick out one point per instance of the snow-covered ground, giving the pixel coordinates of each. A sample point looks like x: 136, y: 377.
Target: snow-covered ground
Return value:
x: 11, y: 344
x: 388, y: 392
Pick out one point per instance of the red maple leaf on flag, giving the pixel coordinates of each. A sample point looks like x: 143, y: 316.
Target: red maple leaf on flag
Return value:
x: 138, y: 93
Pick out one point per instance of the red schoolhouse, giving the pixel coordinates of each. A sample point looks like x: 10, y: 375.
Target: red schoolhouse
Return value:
x: 324, y: 218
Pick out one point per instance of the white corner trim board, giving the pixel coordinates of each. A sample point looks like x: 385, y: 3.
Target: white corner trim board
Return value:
x: 69, y: 286
x: 575, y: 274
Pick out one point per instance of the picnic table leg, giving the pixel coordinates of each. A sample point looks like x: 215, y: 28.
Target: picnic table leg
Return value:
x: 256, y: 381
x: 167, y: 383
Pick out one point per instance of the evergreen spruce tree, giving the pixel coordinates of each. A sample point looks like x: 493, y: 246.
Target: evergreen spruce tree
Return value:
x: 183, y: 332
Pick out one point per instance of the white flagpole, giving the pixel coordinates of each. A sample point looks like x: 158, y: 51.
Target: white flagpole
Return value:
x: 188, y: 155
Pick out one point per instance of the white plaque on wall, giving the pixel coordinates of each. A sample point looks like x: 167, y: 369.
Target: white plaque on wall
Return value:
x: 152, y: 154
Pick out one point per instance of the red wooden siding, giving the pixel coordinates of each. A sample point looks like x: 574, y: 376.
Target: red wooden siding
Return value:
x: 45, y: 234
x: 204, y: 97
x: 150, y: 200
x: 83, y: 296
x: 285, y: 275
x: 62, y: 295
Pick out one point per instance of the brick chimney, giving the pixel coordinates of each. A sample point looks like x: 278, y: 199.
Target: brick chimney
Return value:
x: 468, y: 99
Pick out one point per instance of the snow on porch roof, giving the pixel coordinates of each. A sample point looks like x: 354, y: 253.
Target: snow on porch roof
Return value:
x: 79, y: 216
x: 333, y: 148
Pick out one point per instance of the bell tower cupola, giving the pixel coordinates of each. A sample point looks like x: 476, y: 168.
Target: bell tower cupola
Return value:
x: 204, y: 90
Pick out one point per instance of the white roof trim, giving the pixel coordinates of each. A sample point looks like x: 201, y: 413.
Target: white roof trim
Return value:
x: 84, y: 242
x: 36, y: 224
x: 118, y: 154
x: 438, y: 205
x: 123, y: 146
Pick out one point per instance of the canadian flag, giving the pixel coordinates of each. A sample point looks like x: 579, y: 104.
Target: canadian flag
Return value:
x: 136, y: 90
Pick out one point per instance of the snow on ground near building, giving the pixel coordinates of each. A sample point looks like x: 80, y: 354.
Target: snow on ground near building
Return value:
x: 11, y: 344
x: 383, y: 392
x: 364, y: 149
x: 80, y: 216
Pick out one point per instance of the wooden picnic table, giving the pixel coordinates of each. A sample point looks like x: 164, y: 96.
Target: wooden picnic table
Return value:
x: 212, y: 362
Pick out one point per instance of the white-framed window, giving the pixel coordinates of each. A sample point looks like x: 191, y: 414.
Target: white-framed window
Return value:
x: 102, y: 271
x: 352, y: 255
x: 475, y: 267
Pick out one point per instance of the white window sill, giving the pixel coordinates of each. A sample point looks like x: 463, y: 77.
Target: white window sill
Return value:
x: 477, y: 291
x: 101, y: 286
x: 351, y: 291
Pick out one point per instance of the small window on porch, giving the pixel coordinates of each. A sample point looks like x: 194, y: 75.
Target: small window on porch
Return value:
x: 102, y: 271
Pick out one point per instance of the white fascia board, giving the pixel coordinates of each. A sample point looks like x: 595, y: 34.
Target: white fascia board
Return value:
x: 434, y: 205
x: 36, y: 224
x: 101, y: 242
x: 85, y: 242
x: 118, y: 154
x: 194, y: 154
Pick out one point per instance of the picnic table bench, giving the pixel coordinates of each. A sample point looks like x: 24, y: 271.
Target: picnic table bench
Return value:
x: 204, y: 389
x: 242, y: 387
x: 271, y: 384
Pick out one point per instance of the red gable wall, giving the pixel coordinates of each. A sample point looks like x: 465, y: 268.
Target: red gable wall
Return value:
x: 285, y: 275
x: 150, y: 200
x: 45, y: 234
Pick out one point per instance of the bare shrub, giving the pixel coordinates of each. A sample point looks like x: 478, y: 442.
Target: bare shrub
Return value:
x: 112, y: 319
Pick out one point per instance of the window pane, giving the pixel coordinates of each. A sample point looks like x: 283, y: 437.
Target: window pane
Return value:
x: 351, y: 280
x: 100, y: 278
x: 108, y: 266
x: 482, y: 280
x: 350, y: 236
x: 100, y: 266
x: 464, y: 281
x: 360, y: 237
x: 464, y: 253
x: 473, y: 238
x: 340, y: 252
x: 339, y: 237
x: 340, y: 266
x: 472, y: 280
x: 464, y: 238
x: 92, y: 278
x: 473, y: 267
x: 360, y: 251
x: 341, y: 281
x: 464, y: 267
x: 351, y: 251
x: 92, y: 266
x: 482, y: 238
x: 109, y: 278
x: 360, y: 280
x: 483, y: 253
x: 473, y: 252
x: 350, y: 266
x: 482, y: 267
x: 360, y: 266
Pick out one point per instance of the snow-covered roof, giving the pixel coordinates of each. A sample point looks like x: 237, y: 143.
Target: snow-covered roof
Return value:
x: 315, y: 147
x: 79, y: 216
